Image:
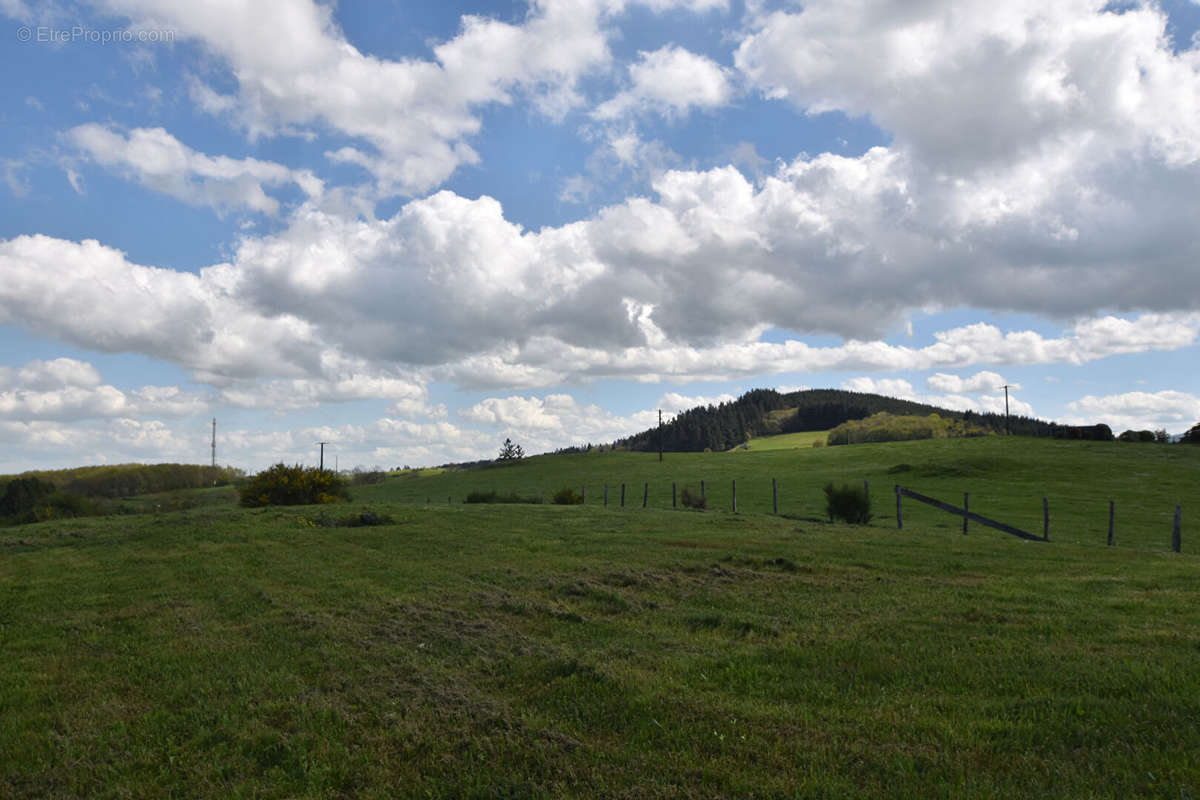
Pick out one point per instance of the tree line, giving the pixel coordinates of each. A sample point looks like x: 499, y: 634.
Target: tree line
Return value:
x: 84, y: 491
x: 764, y: 412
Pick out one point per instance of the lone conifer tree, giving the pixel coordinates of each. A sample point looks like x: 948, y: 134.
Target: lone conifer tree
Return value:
x: 511, y: 451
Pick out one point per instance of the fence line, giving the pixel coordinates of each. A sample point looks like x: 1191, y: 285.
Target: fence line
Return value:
x: 964, y: 513
x: 901, y: 492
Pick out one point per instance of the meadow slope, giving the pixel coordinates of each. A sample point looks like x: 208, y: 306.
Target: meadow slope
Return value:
x: 549, y: 651
x: 1006, y: 478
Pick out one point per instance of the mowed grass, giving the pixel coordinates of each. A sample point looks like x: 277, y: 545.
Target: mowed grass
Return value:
x: 547, y: 651
x: 1005, y: 477
x: 787, y: 441
x: 499, y: 651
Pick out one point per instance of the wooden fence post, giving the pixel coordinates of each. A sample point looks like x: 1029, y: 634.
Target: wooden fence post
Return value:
x: 606, y: 495
x: 645, y: 495
x: 867, y: 492
x: 622, y: 495
x: 965, y: 513
x: 674, y: 496
x: 899, y: 515
x: 703, y: 494
x: 539, y: 497
x: 449, y: 501
x: 966, y: 507
x: 1045, y: 519
x: 1177, y: 532
x: 735, y: 495
x: 583, y: 494
x: 774, y: 496
x: 1112, y: 518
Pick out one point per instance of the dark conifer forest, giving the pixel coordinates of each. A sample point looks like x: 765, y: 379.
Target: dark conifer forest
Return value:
x: 762, y: 412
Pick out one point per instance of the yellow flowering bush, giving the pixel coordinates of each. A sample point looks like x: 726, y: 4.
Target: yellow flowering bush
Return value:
x: 297, y: 485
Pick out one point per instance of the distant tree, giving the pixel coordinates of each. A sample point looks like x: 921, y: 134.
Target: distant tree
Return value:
x: 1161, y: 437
x: 22, y: 494
x: 1137, y: 436
x: 1095, y: 433
x: 1192, y: 436
x: 511, y: 451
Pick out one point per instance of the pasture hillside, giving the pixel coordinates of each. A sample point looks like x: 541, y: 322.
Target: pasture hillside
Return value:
x: 398, y: 647
x: 500, y: 651
x: 1006, y: 477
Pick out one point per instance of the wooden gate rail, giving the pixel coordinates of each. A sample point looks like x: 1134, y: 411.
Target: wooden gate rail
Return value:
x: 962, y: 512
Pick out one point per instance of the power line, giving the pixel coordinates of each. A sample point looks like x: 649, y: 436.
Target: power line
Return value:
x: 1007, y: 425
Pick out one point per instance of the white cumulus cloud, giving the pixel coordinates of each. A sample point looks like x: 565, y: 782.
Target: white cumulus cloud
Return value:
x: 159, y: 161
x: 889, y: 387
x: 295, y: 70
x: 984, y: 382
x: 1171, y: 410
x: 555, y: 420
x: 670, y: 81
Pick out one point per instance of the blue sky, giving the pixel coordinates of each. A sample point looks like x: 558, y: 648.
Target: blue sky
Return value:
x: 413, y: 230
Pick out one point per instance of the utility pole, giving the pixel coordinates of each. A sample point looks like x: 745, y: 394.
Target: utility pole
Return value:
x: 660, y: 438
x: 322, y: 455
x: 214, y: 442
x: 1007, y: 425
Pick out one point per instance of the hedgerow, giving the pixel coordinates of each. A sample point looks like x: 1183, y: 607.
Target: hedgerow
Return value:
x: 493, y: 497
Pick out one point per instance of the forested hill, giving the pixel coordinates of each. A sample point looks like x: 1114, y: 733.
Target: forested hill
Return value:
x: 762, y: 412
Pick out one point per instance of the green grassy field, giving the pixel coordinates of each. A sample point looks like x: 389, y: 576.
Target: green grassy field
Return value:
x: 548, y: 651
x: 1005, y: 477
x: 787, y: 441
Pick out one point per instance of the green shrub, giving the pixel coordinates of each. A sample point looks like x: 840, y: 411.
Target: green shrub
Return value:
x: 297, y: 485
x: 64, y: 505
x: 568, y: 497
x: 689, y: 500
x: 848, y: 503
